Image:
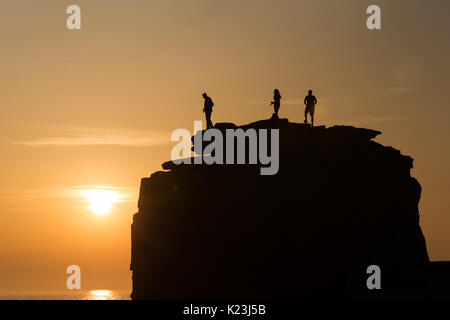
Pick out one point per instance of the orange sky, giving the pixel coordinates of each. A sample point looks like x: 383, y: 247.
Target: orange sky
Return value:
x: 97, y: 107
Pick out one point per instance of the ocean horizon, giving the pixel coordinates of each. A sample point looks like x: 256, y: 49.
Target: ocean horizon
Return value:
x: 70, y: 295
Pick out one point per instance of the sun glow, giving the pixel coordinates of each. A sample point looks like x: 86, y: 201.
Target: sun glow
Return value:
x: 101, y: 200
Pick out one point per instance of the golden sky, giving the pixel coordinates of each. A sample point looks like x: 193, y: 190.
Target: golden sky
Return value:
x: 96, y: 107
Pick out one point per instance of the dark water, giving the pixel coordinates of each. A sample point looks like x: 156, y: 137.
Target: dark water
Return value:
x: 70, y: 295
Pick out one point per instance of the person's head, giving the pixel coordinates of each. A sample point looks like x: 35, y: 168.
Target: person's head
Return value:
x: 204, y: 95
x: 276, y: 91
x: 310, y: 92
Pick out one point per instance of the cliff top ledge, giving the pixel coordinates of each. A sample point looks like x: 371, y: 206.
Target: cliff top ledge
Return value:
x: 301, y: 143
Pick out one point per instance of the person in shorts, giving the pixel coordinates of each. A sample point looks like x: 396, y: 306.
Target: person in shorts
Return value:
x: 310, y: 103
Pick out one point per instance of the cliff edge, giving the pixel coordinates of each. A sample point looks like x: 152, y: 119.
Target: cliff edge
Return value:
x: 338, y: 203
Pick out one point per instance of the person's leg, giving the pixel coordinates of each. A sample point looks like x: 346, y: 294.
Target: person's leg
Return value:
x: 312, y: 120
x: 208, y: 120
x: 306, y: 114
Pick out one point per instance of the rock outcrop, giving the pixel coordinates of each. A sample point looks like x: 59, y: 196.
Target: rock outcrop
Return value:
x: 339, y: 203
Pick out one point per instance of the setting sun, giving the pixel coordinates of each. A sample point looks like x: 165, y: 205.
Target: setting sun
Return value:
x: 101, y: 200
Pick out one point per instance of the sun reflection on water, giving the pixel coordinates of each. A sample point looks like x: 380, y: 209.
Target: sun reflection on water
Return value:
x: 71, y: 295
x: 101, y: 295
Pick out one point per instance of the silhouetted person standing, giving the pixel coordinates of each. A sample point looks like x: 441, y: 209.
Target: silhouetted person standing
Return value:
x: 276, y: 102
x: 310, y: 102
x: 207, y: 109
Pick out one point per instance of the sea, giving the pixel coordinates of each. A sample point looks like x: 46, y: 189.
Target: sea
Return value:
x: 70, y: 295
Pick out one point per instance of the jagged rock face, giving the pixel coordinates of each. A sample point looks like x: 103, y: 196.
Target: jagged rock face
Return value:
x: 339, y: 203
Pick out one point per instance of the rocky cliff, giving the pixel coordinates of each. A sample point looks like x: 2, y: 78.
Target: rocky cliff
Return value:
x: 338, y: 203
